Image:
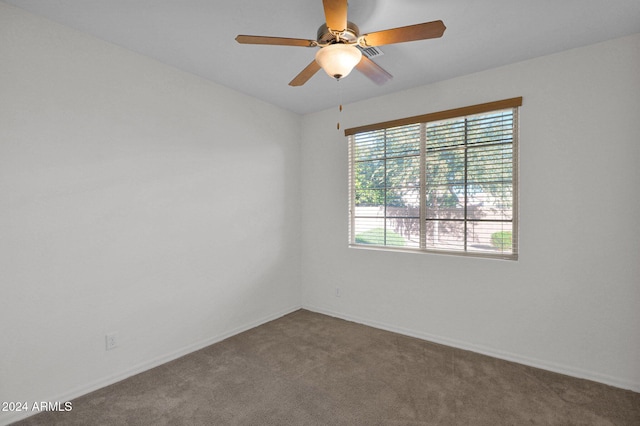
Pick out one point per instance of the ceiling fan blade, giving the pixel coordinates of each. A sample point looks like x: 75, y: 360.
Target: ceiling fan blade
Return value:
x: 375, y: 72
x: 335, y: 12
x: 423, y: 31
x: 276, y: 41
x: 305, y: 74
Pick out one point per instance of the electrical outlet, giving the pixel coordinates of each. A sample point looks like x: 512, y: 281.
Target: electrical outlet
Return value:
x: 338, y: 292
x: 111, y: 341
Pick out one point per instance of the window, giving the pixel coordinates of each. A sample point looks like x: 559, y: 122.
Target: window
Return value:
x: 442, y: 182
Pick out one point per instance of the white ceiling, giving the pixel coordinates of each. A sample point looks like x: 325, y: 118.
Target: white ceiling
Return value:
x: 198, y: 36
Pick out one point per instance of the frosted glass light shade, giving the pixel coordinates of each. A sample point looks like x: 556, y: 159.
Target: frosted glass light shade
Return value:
x: 338, y: 59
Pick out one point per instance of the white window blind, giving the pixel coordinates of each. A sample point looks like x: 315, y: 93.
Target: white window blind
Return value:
x: 443, y: 182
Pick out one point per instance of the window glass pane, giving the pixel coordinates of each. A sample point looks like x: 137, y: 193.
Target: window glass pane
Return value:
x: 403, y: 184
x: 445, y: 184
x: 369, y: 145
x: 493, y: 205
x: 369, y: 231
x: 489, y: 237
x: 445, y: 202
x: 402, y: 141
x: 490, y: 128
x: 445, y: 134
x: 445, y: 167
x: 445, y: 235
x: 489, y: 164
x: 489, y: 182
x: 403, y: 204
x: 403, y: 172
x: 403, y: 232
x: 370, y: 198
x: 370, y: 174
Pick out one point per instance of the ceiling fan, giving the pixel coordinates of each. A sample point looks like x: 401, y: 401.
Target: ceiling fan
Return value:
x: 338, y: 38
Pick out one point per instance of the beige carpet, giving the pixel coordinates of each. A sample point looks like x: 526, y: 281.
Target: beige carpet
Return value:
x: 311, y: 369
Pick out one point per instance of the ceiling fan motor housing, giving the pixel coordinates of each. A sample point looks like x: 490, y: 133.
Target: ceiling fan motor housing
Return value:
x: 349, y: 36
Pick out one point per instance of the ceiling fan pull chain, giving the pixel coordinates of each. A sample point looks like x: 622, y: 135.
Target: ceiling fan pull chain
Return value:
x: 340, y: 100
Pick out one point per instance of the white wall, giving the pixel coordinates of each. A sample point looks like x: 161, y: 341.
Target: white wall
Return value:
x: 570, y: 303
x: 136, y: 199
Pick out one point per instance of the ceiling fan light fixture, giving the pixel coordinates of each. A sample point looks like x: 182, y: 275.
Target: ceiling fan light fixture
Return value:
x: 338, y: 59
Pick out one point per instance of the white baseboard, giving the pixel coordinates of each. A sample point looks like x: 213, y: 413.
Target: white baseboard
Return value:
x: 496, y: 353
x: 147, y: 365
